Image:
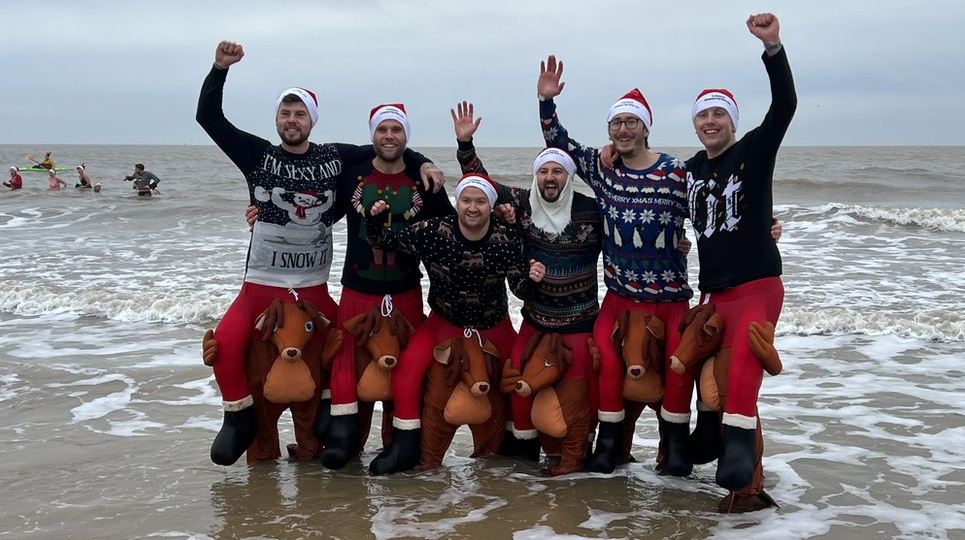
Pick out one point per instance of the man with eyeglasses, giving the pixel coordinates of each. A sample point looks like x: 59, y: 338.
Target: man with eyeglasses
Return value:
x: 643, y: 203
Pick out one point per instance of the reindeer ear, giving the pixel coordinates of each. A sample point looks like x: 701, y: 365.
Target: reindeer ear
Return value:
x: 354, y: 325
x: 656, y: 328
x: 530, y: 348
x: 490, y: 349
x: 320, y: 320
x: 714, y: 325
x: 272, y: 318
x: 619, y: 326
x: 260, y: 322
x: 442, y: 352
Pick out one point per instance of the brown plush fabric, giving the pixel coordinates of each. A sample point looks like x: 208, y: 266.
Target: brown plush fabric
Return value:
x: 639, y: 341
x: 379, y: 339
x: 461, y: 362
x: 285, y: 373
x: 701, y: 340
x: 560, y: 413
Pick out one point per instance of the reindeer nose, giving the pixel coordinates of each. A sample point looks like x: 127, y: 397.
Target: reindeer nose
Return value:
x: 635, y: 372
x: 389, y: 361
x: 291, y: 354
x: 523, y: 389
x: 480, y: 389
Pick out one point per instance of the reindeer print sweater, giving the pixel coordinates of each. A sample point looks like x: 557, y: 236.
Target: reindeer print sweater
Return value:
x: 467, y: 278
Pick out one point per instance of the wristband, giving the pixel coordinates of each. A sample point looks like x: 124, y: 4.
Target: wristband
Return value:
x: 772, y: 48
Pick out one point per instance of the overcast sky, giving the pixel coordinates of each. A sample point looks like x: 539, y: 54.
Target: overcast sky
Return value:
x: 868, y: 72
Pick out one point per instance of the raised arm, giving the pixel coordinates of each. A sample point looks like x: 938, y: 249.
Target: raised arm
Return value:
x: 770, y: 134
x: 548, y: 86
x: 242, y: 148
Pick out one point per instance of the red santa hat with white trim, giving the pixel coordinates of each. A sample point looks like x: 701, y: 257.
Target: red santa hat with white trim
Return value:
x: 634, y: 103
x: 479, y: 181
x: 388, y: 111
x: 307, y: 97
x: 716, y: 97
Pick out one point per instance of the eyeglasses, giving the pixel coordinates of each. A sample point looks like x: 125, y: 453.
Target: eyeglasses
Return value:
x: 631, y: 123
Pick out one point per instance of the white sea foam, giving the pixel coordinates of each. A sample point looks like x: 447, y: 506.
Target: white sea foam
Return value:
x: 942, y: 219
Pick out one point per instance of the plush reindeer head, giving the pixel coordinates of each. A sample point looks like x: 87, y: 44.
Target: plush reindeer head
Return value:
x: 289, y: 326
x: 469, y: 359
x: 639, y: 339
x: 702, y: 333
x: 545, y: 358
x: 381, y: 332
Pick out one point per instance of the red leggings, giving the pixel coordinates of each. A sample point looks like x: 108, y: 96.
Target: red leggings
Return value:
x: 756, y: 301
x: 417, y: 357
x: 237, y: 327
x: 581, y: 368
x: 611, y: 366
x: 352, y: 303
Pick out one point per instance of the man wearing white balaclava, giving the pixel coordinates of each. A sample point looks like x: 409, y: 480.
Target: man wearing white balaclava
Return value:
x: 563, y: 230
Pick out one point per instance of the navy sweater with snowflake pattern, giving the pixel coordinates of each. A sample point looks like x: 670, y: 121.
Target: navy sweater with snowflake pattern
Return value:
x: 643, y: 216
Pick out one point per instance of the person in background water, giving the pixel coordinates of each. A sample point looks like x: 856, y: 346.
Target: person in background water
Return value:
x: 83, y: 179
x: 47, y: 163
x: 16, y: 181
x: 740, y: 265
x: 145, y: 182
x: 642, y: 202
x: 294, y: 185
x: 54, y: 181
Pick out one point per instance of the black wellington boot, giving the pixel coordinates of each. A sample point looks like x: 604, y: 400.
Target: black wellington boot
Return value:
x: 678, y: 456
x: 323, y: 421
x: 609, y: 448
x: 402, y: 455
x: 236, y: 435
x: 705, y: 438
x: 342, y: 443
x: 737, y: 459
x: 519, y: 448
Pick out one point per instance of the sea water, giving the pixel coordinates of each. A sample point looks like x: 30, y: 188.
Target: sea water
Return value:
x: 107, y: 413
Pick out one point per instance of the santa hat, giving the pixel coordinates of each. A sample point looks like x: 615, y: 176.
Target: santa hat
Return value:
x: 388, y: 111
x: 14, y: 169
x: 82, y: 167
x: 480, y: 181
x: 310, y: 193
x: 716, y: 97
x: 51, y: 172
x: 556, y: 156
x: 634, y: 103
x: 47, y: 155
x: 307, y: 97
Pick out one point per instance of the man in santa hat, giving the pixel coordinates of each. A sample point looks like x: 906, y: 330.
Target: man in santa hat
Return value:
x: 740, y: 266
x: 643, y: 202
x: 469, y: 258
x: 295, y: 165
x: 562, y: 229
x: 373, y: 275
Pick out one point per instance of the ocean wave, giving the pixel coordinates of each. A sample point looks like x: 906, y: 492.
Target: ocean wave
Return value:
x: 942, y: 219
x: 176, y: 307
x: 934, y: 326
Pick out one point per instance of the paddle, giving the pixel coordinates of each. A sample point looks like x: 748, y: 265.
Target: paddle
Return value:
x: 31, y: 158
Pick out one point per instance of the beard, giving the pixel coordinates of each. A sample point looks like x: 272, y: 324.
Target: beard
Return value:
x: 389, y: 156
x: 292, y: 140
